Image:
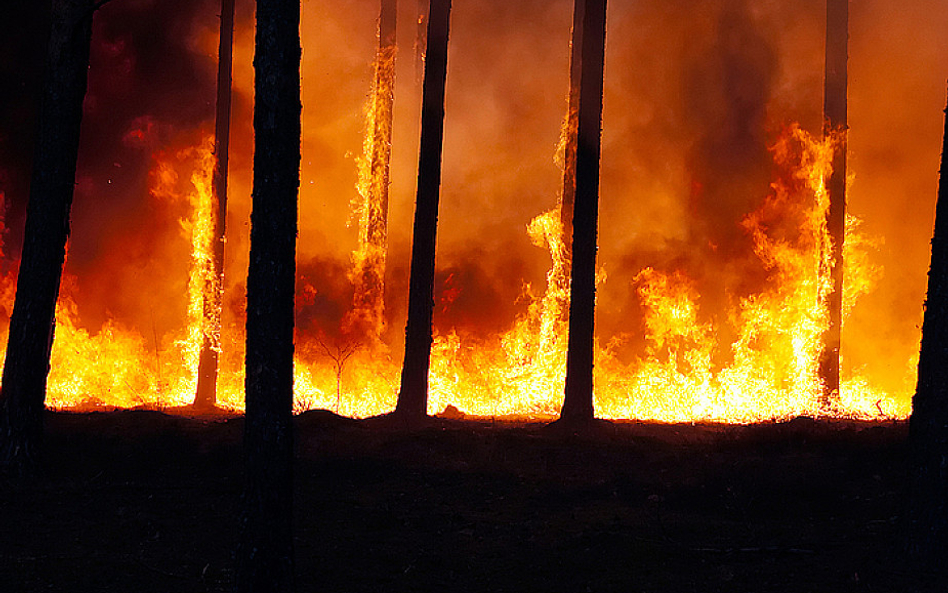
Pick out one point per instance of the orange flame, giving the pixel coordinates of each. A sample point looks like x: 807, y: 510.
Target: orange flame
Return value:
x: 685, y: 374
x: 368, y: 261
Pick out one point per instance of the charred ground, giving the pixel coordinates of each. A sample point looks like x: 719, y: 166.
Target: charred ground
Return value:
x: 146, y: 501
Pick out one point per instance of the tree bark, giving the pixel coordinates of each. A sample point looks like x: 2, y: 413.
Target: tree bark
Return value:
x: 47, y: 229
x: 578, y: 401
x: 928, y: 428
x: 206, y: 396
x: 265, y: 550
x: 835, y: 122
x: 413, y: 395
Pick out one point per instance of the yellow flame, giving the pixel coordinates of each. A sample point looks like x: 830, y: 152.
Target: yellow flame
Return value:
x: 687, y: 372
x: 203, y: 322
x: 368, y: 261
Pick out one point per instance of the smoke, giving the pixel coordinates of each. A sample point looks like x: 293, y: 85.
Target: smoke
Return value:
x: 726, y: 74
x: 22, y: 47
x: 693, y: 105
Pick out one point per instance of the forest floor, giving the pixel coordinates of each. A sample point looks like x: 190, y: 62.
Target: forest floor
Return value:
x: 142, y: 501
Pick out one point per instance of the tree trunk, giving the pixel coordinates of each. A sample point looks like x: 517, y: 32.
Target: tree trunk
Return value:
x: 421, y: 41
x: 368, y: 306
x: 928, y: 428
x: 835, y: 122
x: 47, y: 230
x: 206, y: 396
x: 571, y: 128
x: 265, y: 550
x: 578, y: 402
x: 413, y: 395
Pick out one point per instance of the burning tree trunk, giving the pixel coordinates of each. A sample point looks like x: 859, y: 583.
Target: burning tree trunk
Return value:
x: 834, y: 122
x: 265, y: 551
x: 578, y: 402
x: 206, y: 395
x: 571, y: 128
x: 413, y: 395
x: 368, y: 311
x: 928, y: 510
x: 421, y: 41
x: 47, y: 230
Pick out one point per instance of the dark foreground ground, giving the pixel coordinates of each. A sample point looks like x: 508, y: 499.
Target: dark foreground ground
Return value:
x: 139, y: 501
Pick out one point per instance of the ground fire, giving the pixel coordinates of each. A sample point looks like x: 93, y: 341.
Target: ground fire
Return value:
x: 713, y: 238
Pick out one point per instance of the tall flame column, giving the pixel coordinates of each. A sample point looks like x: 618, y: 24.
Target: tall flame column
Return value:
x: 928, y: 509
x: 368, y: 306
x: 578, y: 401
x: 264, y: 558
x: 206, y: 395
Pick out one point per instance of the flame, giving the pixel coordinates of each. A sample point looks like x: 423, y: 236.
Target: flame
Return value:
x: 118, y: 366
x: 769, y: 371
x: 204, y: 324
x: 772, y: 368
x: 368, y: 261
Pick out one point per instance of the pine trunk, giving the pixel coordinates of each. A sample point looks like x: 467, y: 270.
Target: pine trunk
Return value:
x: 413, y: 395
x: 835, y: 122
x: 928, y: 509
x: 265, y: 550
x: 571, y: 128
x: 578, y: 401
x: 47, y: 229
x: 206, y: 396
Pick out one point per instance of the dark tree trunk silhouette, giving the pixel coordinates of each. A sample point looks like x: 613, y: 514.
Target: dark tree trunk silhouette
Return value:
x: 928, y: 427
x: 265, y: 550
x: 206, y: 396
x: 578, y: 401
x: 413, y: 395
x: 835, y: 122
x: 47, y: 229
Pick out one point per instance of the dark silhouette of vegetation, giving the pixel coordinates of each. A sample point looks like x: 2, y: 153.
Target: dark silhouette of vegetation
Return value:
x: 32, y: 324
x: 578, y: 401
x: 413, y: 394
x: 928, y: 427
x: 339, y: 353
x: 264, y: 559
